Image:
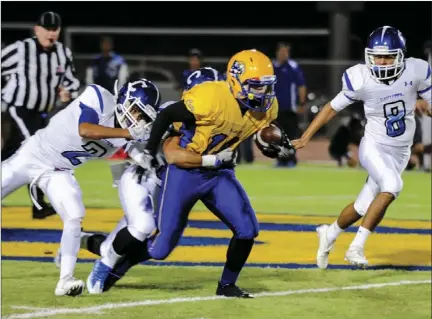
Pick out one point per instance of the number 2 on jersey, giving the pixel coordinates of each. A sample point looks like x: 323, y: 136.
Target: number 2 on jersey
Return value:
x: 92, y: 149
x: 394, y: 114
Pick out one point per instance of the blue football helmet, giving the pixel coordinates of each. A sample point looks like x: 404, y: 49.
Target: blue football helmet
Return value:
x: 386, y: 41
x: 136, y: 101
x: 202, y: 75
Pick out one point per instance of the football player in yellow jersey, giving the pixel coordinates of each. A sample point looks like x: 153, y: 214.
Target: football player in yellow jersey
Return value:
x: 210, y: 118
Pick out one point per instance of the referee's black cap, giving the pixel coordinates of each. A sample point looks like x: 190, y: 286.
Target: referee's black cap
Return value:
x: 49, y: 20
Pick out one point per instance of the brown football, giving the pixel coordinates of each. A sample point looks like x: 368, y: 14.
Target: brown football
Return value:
x: 267, y: 135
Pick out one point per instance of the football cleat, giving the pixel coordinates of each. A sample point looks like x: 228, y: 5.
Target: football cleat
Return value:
x: 355, y: 256
x: 117, y: 273
x: 69, y: 287
x: 231, y: 290
x: 324, y: 247
x: 97, y: 277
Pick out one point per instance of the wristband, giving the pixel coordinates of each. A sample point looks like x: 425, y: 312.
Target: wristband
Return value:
x: 208, y: 160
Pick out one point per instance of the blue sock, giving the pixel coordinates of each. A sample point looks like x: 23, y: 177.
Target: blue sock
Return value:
x: 229, y: 277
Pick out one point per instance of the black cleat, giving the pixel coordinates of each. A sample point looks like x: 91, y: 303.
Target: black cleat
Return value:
x: 111, y: 280
x: 231, y: 290
x: 44, y: 213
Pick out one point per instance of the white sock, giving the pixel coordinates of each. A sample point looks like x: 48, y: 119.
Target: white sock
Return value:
x: 69, y: 247
x: 333, y: 232
x: 360, y: 238
x: 111, y: 257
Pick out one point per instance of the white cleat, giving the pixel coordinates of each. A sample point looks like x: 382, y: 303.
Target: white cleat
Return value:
x: 355, y: 256
x: 324, y: 247
x: 69, y: 287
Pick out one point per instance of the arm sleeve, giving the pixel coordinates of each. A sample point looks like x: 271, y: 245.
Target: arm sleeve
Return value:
x: 10, y: 57
x: 348, y: 95
x: 176, y: 112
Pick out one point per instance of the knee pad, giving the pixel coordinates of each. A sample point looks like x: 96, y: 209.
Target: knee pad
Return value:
x: 141, y: 232
x: 392, y: 184
x: 360, y: 208
x: 249, y: 230
x: 160, y: 254
x: 142, y: 225
x: 72, y: 223
x: 160, y: 248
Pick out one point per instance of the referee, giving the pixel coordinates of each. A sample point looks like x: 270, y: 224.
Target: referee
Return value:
x: 39, y: 70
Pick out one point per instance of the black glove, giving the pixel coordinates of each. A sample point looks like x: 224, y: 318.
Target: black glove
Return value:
x: 283, y: 150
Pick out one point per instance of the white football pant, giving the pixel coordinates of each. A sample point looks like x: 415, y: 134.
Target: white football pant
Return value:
x: 137, y: 201
x: 384, y: 165
x: 62, y: 190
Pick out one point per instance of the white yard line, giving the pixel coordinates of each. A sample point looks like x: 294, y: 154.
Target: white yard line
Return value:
x: 30, y: 308
x: 98, y: 312
x: 113, y: 306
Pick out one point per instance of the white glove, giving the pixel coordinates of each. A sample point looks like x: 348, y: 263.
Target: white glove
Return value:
x: 225, y: 157
x: 144, y: 160
x: 141, y: 131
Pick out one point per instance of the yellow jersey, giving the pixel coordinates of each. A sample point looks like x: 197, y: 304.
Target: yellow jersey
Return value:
x: 219, y: 122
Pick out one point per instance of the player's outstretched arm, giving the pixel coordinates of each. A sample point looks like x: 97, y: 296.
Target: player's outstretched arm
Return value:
x: 174, y: 154
x: 176, y: 112
x: 424, y: 107
x: 323, y: 117
x: 97, y: 132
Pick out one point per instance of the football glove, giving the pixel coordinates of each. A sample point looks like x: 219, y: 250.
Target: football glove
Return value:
x: 286, y: 149
x: 227, y: 158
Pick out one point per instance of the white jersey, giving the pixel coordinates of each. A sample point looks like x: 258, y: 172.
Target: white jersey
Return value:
x: 60, y: 146
x: 389, y: 109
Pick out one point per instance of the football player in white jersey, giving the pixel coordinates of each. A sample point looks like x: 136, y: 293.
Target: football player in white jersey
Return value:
x: 94, y: 125
x: 138, y: 199
x: 388, y: 84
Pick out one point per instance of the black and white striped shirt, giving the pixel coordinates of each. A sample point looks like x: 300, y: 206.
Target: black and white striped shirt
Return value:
x: 35, y: 74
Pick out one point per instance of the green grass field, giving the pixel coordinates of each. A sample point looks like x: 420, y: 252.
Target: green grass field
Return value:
x: 187, y: 292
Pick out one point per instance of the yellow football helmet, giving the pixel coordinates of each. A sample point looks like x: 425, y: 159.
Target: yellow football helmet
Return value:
x: 251, y: 77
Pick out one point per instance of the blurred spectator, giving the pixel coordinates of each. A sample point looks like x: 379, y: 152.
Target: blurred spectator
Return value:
x: 291, y: 94
x: 419, y: 148
x: 107, y: 67
x: 426, y: 121
x: 346, y: 138
x: 195, y: 61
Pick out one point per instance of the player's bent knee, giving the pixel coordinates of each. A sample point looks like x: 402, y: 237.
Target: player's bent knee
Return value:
x: 247, y: 233
x: 392, y: 185
x: 160, y: 254
x: 161, y: 248
x: 72, y: 223
x: 360, y: 208
x: 142, y: 231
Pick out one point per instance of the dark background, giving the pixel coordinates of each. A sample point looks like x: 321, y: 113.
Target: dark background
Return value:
x: 412, y: 18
